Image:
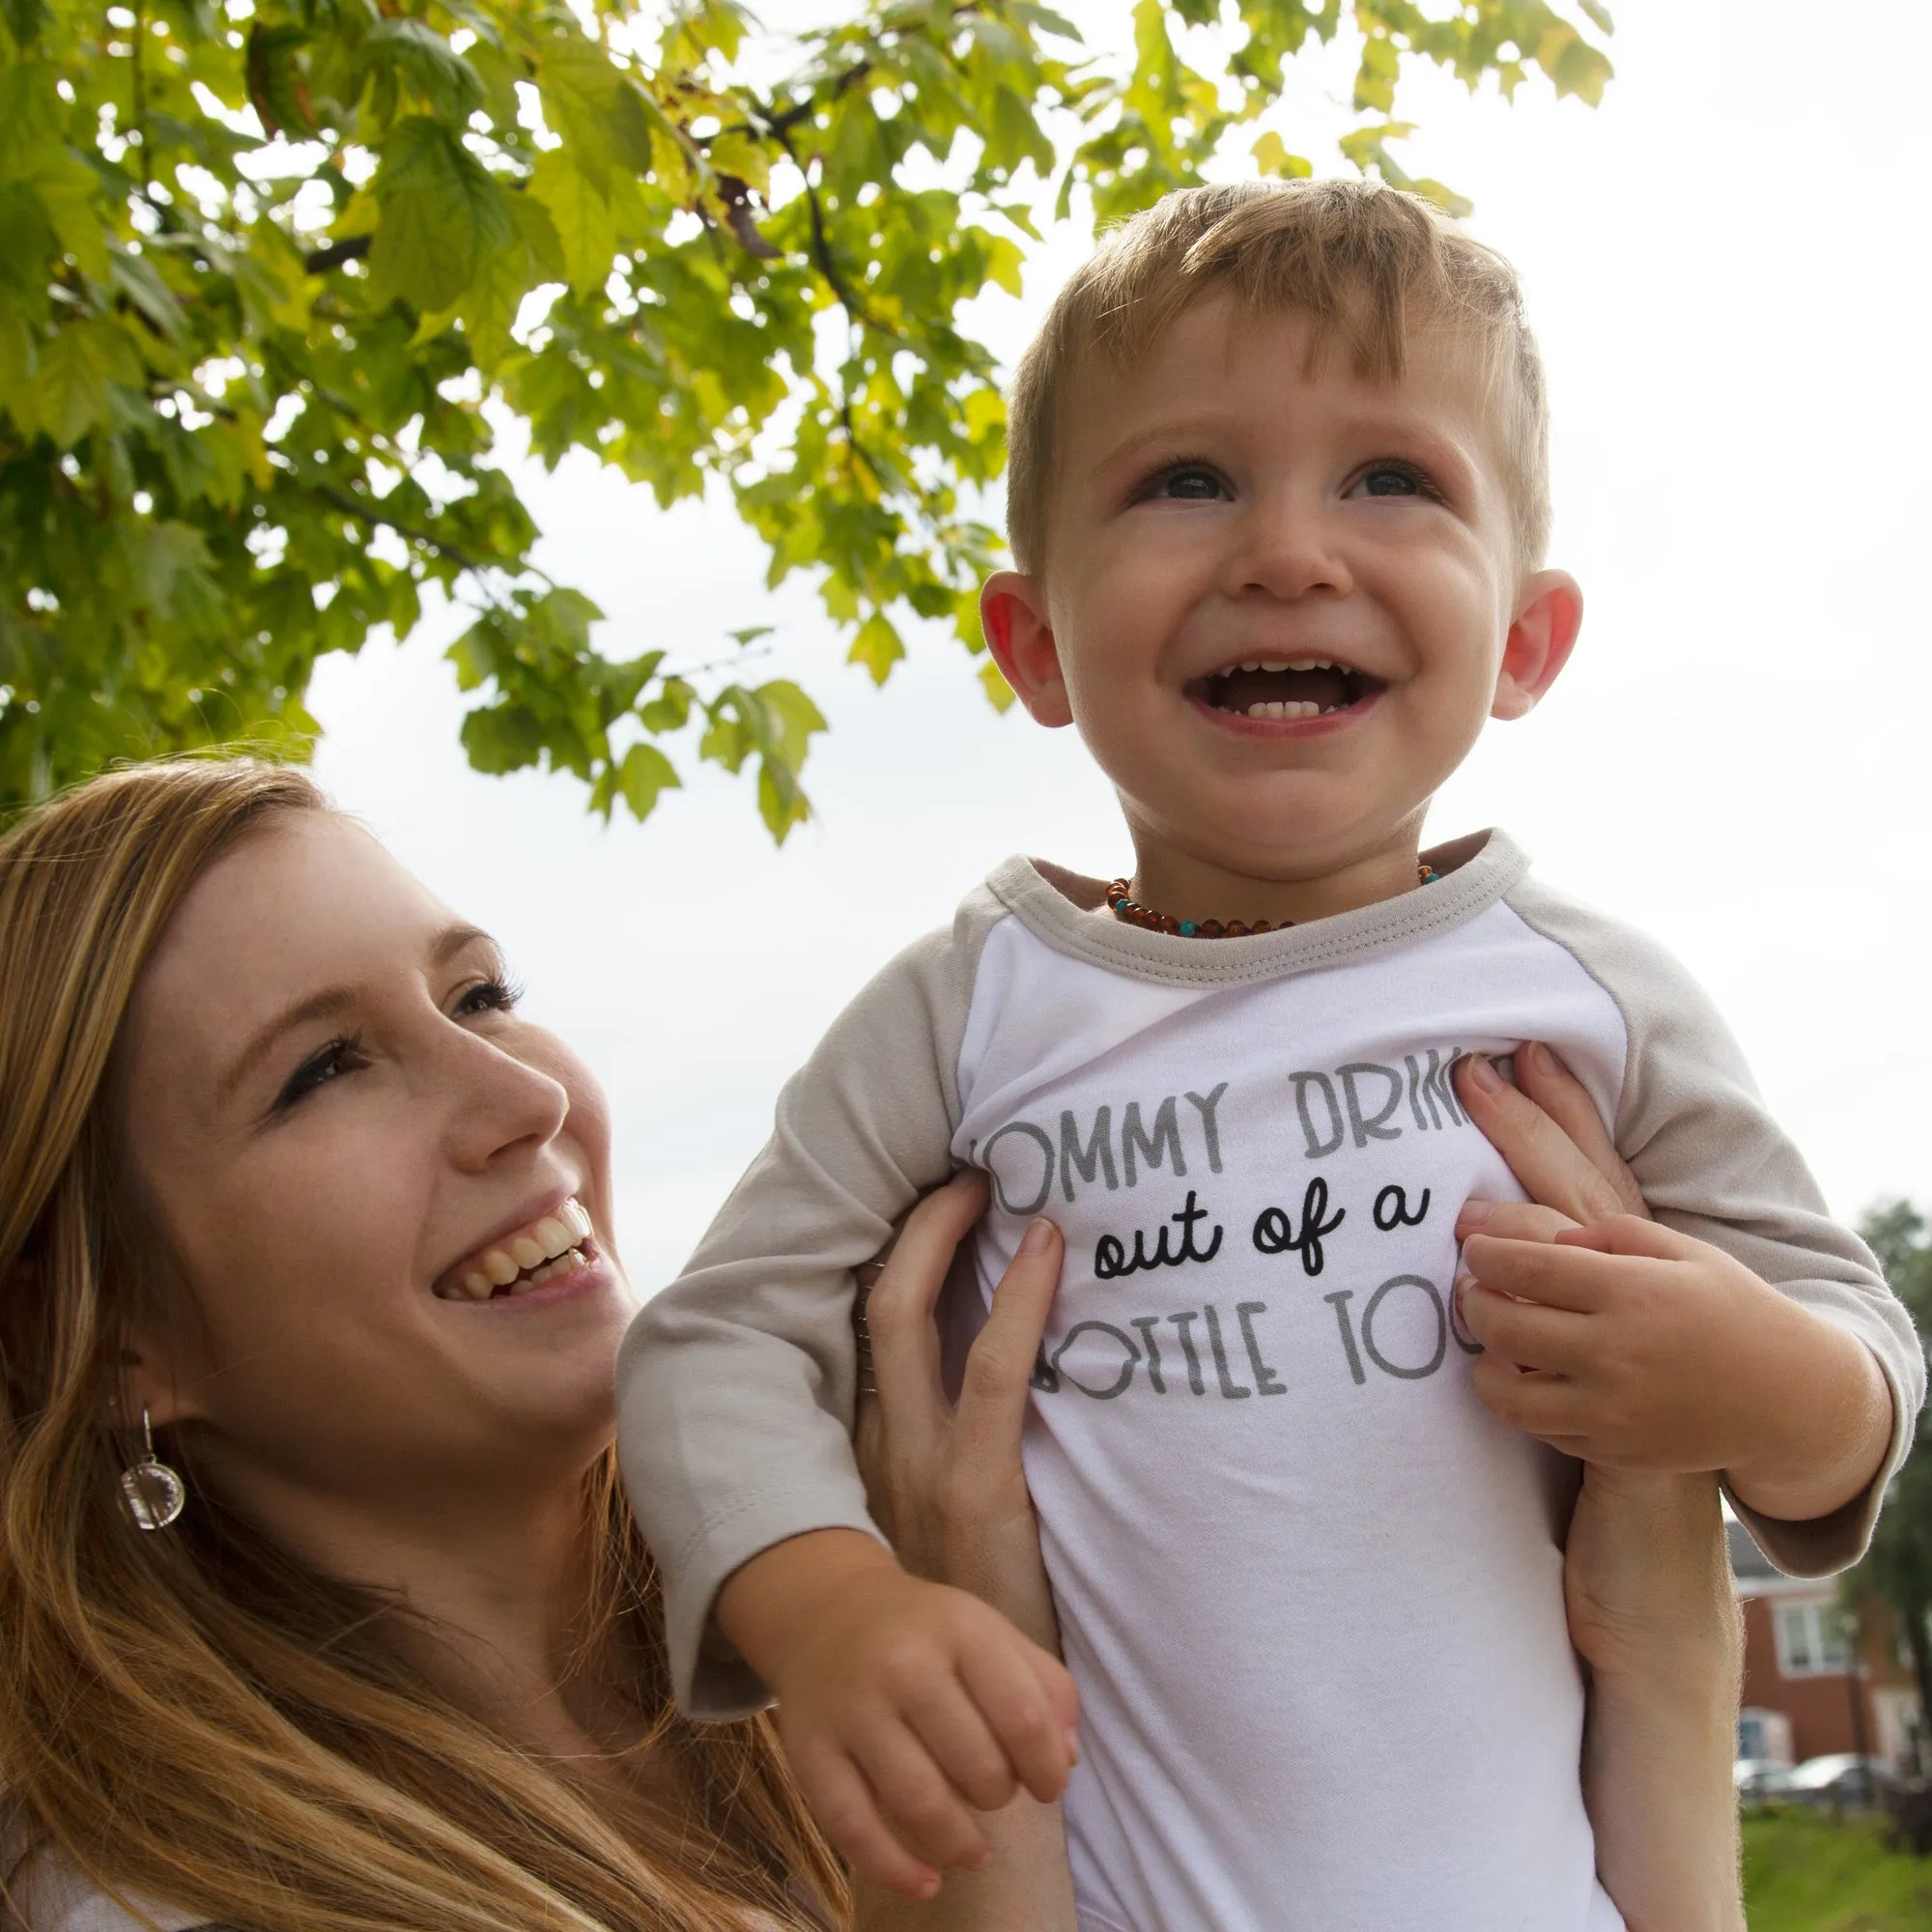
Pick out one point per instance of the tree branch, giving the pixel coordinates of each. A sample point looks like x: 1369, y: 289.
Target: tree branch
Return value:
x: 321, y: 260
x: 139, y: 78
x: 367, y: 513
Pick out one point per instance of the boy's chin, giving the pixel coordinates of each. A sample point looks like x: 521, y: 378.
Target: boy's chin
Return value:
x: 1297, y: 843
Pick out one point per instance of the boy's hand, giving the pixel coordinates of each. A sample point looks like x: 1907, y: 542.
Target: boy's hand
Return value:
x: 1636, y: 1348
x: 906, y: 1706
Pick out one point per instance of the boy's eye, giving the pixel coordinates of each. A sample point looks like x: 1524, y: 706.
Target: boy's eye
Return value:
x: 1186, y: 483
x: 1394, y: 479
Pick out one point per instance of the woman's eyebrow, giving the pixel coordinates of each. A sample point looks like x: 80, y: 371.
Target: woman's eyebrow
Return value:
x: 446, y: 946
x: 452, y: 939
x: 315, y: 1006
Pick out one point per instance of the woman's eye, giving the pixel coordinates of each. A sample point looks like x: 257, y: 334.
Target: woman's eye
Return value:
x: 1394, y: 479
x: 1188, y: 483
x: 489, y: 996
x: 337, y: 1058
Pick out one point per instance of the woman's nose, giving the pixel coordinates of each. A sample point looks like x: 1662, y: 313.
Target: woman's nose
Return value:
x: 498, y: 1103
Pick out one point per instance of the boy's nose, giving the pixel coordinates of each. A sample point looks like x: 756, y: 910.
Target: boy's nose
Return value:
x: 1289, y: 551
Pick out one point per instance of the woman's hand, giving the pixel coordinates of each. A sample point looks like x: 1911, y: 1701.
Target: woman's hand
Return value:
x: 946, y: 1486
x: 1548, y: 1129
x: 945, y: 1481
x: 1646, y: 1577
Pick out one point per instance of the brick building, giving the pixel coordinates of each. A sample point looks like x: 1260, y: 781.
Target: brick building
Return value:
x: 1802, y: 1697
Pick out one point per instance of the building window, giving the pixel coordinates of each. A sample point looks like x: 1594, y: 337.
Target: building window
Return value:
x: 1811, y: 1640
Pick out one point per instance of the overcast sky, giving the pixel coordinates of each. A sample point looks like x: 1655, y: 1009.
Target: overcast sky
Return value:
x: 1726, y: 264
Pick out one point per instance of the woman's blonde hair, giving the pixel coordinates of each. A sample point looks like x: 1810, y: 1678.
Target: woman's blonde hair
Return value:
x: 192, y: 1715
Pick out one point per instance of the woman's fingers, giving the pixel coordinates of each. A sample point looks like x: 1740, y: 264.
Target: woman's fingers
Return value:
x: 993, y: 1397
x: 1549, y: 1162
x: 1543, y: 1077
x: 899, y: 1310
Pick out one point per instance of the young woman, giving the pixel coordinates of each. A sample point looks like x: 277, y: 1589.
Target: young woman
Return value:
x: 323, y: 1610
x: 267, y: 1111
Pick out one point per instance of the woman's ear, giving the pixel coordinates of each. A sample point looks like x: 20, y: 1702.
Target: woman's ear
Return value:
x: 145, y: 1379
x: 1549, y: 612
x: 1012, y: 612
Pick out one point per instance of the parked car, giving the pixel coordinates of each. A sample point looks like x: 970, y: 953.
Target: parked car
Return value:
x: 1841, y: 1778
x: 1759, y: 1780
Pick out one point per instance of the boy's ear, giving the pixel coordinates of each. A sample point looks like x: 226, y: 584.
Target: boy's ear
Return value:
x: 1012, y: 612
x: 1549, y: 612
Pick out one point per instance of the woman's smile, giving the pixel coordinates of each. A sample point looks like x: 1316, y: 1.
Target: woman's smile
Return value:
x: 552, y: 1245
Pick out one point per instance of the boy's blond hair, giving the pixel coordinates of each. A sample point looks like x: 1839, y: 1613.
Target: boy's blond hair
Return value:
x: 1366, y: 263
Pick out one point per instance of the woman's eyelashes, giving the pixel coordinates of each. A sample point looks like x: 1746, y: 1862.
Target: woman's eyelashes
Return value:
x: 327, y: 1064
x: 500, y: 994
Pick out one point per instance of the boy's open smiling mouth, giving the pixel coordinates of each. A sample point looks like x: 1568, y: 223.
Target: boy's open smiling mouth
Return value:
x: 1283, y: 690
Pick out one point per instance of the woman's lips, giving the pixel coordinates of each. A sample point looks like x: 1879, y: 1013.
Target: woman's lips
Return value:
x: 529, y: 1257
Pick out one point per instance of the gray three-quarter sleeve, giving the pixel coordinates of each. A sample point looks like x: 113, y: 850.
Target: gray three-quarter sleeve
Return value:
x: 735, y: 1385
x: 1713, y: 1163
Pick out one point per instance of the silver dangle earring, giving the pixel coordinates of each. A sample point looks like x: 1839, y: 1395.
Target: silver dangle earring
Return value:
x: 155, y: 1494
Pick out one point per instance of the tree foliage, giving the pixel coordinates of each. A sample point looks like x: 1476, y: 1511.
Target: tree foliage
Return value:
x: 1898, y: 1567
x: 275, y: 274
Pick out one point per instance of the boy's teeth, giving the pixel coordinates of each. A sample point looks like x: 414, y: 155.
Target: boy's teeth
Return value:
x: 1285, y: 708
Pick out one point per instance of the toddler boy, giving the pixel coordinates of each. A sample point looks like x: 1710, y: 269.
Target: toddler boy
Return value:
x: 1278, y: 504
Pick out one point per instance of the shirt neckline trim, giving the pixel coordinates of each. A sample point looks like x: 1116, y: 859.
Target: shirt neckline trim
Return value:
x: 1068, y: 911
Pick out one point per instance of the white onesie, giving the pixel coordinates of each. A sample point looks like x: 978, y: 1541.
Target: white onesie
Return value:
x: 1309, y: 1589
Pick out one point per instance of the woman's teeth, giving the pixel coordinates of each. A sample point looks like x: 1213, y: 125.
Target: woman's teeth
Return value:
x: 534, y: 1254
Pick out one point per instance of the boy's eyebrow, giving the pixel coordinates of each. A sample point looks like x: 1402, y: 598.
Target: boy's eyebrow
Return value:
x: 1174, y: 429
x: 1399, y: 419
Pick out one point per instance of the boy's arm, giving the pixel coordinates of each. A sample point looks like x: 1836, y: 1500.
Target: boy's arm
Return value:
x: 735, y: 1384
x: 1713, y: 1165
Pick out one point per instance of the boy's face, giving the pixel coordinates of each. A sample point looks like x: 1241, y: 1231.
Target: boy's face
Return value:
x: 1222, y: 506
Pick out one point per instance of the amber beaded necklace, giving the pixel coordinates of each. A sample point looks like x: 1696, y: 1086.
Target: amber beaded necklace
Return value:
x: 1131, y: 912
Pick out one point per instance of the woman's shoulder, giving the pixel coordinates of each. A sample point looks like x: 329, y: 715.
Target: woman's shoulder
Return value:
x: 45, y: 1893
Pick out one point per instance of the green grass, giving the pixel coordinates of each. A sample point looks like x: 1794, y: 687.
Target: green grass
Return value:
x: 1807, y: 1873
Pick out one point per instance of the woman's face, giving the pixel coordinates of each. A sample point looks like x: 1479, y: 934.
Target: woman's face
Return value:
x: 346, y: 1135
